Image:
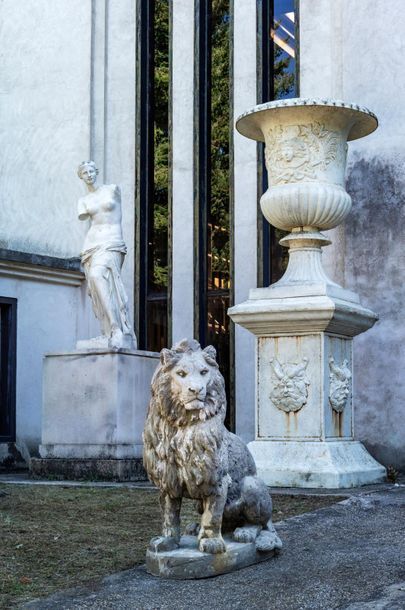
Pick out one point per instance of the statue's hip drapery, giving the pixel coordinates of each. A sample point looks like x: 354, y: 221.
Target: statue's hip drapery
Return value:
x: 102, y: 266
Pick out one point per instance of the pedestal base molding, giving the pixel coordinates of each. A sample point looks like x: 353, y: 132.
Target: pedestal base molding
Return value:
x: 88, y: 469
x: 317, y: 464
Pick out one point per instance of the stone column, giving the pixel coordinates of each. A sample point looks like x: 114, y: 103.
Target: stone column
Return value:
x: 305, y: 323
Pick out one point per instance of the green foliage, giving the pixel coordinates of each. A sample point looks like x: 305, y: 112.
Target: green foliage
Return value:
x: 161, y: 141
x: 219, y: 218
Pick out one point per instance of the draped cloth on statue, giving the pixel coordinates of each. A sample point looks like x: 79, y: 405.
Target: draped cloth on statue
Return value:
x: 106, y: 260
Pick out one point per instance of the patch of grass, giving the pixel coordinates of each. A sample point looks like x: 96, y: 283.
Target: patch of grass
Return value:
x: 54, y: 537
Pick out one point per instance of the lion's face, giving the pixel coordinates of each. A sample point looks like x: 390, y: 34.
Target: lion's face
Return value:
x: 188, y: 390
x: 188, y: 385
x: 190, y: 378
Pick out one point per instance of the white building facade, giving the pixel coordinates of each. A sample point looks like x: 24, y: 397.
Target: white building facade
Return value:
x: 150, y: 90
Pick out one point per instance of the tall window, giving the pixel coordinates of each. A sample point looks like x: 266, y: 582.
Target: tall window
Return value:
x: 213, y: 111
x: 153, y: 175
x: 8, y: 345
x: 277, y: 79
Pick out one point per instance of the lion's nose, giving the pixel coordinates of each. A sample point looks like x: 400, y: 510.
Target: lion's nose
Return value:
x: 195, y: 390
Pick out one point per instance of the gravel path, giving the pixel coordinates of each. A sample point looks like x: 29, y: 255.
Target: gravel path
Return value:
x: 349, y: 556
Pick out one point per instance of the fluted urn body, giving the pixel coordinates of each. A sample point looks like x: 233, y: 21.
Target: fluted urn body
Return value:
x: 305, y: 152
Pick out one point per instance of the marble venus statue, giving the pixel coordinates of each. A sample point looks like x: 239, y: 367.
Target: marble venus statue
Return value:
x: 102, y: 257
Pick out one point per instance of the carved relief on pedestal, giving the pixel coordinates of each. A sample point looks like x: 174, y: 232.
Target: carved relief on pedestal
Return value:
x: 339, y: 384
x: 297, y: 152
x: 290, y: 385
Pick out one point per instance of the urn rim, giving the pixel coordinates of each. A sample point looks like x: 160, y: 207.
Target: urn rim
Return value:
x: 365, y: 121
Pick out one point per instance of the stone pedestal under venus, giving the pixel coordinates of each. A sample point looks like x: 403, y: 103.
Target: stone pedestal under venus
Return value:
x: 94, y: 406
x: 305, y: 323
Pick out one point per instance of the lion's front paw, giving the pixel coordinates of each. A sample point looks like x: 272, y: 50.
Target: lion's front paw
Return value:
x: 212, y: 545
x: 267, y: 541
x: 161, y: 544
x: 248, y: 533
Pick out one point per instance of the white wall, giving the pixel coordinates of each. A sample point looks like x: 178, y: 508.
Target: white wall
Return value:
x: 44, y: 122
x: 119, y: 117
x: 55, y: 115
x: 49, y: 317
x: 67, y: 94
x: 348, y: 53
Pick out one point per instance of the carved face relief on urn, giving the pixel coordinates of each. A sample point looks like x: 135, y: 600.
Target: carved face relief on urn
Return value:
x: 305, y: 152
x: 290, y: 385
x: 301, y: 152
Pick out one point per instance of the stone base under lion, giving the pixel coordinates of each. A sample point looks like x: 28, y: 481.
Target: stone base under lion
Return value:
x: 187, y: 562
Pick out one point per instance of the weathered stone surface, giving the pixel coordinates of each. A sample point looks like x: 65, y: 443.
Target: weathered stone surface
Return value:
x: 188, y: 562
x: 189, y: 452
x: 368, y: 252
x: 316, y: 464
x: 94, y: 406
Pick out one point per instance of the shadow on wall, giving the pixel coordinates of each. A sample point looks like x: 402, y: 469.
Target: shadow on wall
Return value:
x: 375, y: 268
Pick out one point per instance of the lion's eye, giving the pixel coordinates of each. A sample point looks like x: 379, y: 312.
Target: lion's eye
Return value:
x: 181, y: 373
x: 204, y: 371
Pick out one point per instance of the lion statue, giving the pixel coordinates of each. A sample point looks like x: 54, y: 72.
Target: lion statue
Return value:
x: 189, y: 452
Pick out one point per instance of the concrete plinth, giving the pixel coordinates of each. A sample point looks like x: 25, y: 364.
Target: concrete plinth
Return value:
x: 329, y: 465
x: 187, y: 562
x: 94, y: 407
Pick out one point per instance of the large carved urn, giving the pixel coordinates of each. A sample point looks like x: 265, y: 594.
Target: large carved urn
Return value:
x: 305, y: 152
x: 305, y: 322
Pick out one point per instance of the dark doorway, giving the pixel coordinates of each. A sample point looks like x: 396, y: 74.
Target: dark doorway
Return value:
x: 213, y: 203
x: 8, y: 346
x: 153, y: 178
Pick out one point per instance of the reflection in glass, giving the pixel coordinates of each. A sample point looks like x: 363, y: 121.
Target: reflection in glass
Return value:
x: 280, y: 33
x: 283, y: 35
x: 218, y: 250
x: 158, y: 281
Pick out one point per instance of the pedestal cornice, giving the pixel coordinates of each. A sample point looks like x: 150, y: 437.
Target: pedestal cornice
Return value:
x: 301, y: 314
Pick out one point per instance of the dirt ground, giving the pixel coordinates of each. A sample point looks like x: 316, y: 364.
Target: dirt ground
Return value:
x: 53, y: 538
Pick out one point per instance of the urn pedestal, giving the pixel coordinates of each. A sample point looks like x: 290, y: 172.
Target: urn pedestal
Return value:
x: 305, y: 323
x: 94, y: 408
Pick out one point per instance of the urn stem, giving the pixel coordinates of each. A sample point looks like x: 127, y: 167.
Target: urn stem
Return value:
x: 305, y: 258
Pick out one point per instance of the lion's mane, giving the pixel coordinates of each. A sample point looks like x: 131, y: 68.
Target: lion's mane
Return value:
x: 183, y: 450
